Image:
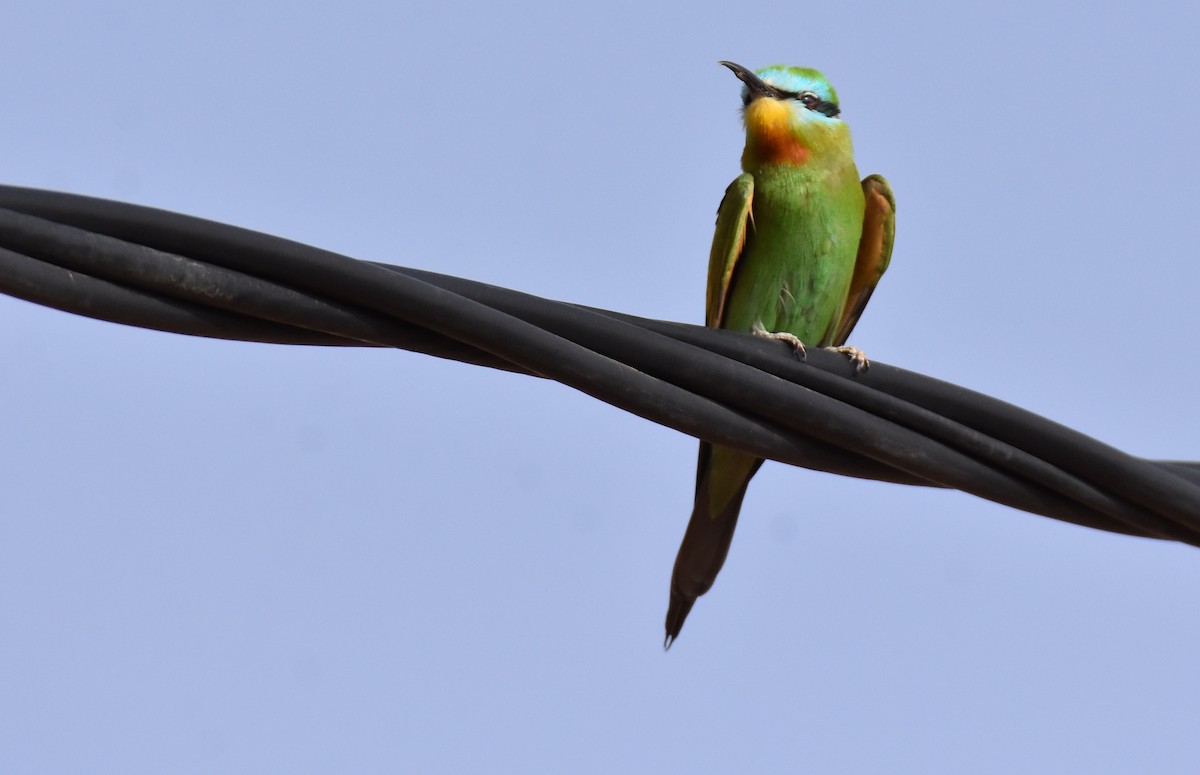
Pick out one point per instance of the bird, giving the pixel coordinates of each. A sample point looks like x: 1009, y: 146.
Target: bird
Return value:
x: 799, y: 247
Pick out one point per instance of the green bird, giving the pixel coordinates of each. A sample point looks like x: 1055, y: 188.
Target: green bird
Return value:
x: 799, y: 247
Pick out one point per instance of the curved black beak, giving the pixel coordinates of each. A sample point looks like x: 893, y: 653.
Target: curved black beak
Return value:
x: 757, y: 86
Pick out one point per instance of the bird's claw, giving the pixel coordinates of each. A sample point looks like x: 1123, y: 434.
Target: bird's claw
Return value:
x: 783, y: 336
x: 859, y: 357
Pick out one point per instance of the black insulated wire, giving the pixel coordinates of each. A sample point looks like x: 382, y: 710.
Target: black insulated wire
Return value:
x: 156, y: 269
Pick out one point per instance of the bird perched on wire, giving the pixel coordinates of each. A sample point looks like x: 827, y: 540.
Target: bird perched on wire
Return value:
x: 799, y: 247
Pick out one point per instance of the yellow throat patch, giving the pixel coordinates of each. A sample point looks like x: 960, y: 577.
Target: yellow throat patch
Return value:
x: 770, y: 137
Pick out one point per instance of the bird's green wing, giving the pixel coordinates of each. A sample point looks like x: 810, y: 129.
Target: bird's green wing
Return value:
x: 733, y: 221
x: 874, y: 251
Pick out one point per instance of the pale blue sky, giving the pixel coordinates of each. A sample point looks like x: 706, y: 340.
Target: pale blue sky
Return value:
x: 225, y: 557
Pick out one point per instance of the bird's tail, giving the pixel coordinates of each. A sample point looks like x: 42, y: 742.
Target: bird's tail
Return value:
x: 722, y: 475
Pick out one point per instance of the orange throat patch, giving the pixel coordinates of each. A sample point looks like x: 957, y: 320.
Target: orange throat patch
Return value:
x: 770, y: 138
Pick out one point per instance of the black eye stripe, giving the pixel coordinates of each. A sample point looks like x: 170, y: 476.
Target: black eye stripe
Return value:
x: 824, y: 107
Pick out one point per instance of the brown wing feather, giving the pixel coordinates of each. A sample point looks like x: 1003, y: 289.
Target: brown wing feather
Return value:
x: 874, y: 251
x: 729, y: 240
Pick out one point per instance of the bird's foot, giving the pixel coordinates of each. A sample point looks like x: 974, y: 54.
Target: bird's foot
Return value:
x: 859, y: 357
x: 797, y: 346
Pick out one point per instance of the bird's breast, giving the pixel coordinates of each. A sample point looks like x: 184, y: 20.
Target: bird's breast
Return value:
x: 799, y: 257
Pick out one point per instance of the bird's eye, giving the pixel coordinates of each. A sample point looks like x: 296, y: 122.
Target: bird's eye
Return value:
x: 818, y: 105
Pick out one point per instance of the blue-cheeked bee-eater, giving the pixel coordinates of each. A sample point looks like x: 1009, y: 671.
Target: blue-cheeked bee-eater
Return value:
x: 799, y: 247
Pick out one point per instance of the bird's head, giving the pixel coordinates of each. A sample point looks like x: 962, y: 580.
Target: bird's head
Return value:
x: 791, y: 116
